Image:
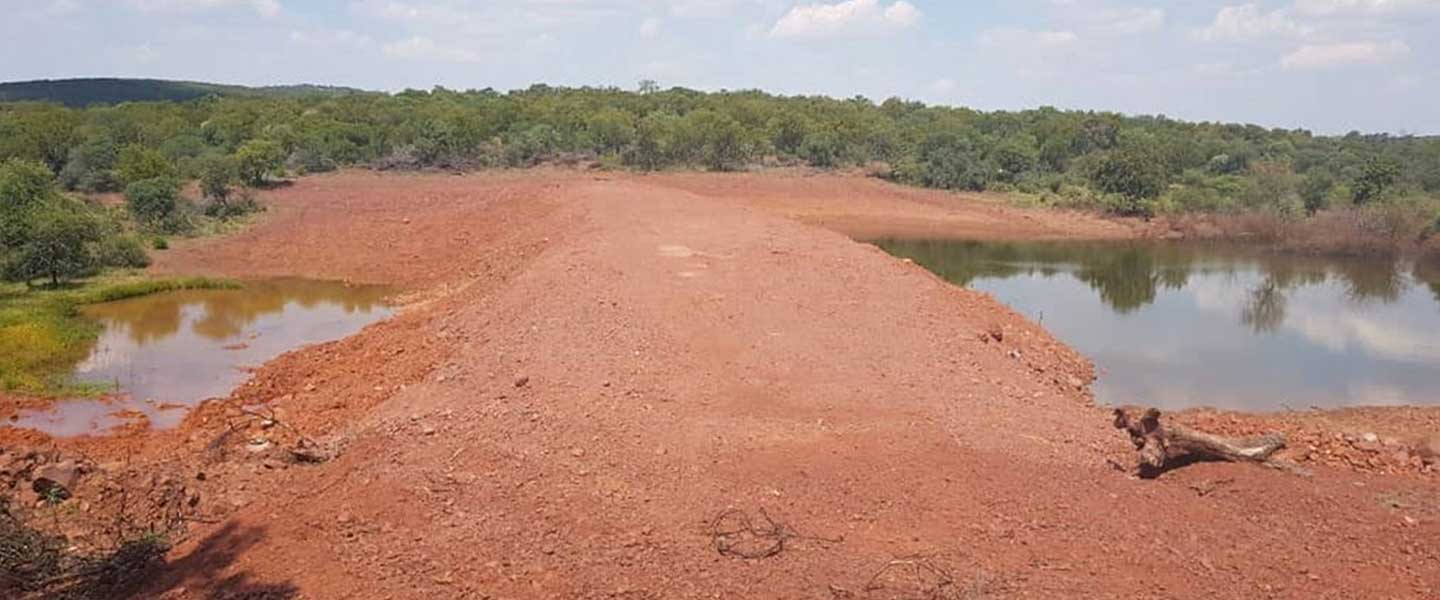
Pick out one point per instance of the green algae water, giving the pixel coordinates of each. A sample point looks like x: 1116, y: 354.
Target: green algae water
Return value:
x: 165, y: 352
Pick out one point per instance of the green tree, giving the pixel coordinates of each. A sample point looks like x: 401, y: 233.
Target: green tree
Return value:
x: 611, y: 130
x: 257, y: 160
x: 24, y: 186
x: 654, y: 136
x: 1315, y: 191
x: 1376, y: 175
x: 1013, y: 159
x: 61, y: 244
x: 154, y: 202
x: 1131, y: 172
x: 217, y: 174
x: 138, y: 163
x: 91, y: 166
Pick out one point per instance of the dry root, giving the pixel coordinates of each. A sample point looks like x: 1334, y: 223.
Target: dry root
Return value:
x: 1163, y: 447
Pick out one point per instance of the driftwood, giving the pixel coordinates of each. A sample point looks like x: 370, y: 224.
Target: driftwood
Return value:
x: 1164, y: 447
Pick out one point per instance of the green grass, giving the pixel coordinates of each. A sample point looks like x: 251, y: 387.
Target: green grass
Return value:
x: 43, y: 334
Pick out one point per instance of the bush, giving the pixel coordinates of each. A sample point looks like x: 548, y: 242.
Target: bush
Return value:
x: 1315, y: 191
x: 153, y: 202
x: 309, y: 160
x: 62, y: 236
x: 91, y: 167
x: 121, y: 251
x: 232, y: 206
x: 1376, y: 176
x: 1133, y: 173
x: 138, y: 163
x: 258, y: 160
x: 530, y: 146
x: 821, y: 150
x: 217, y: 173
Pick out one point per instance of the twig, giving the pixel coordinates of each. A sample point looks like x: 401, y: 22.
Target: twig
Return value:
x: 735, y: 534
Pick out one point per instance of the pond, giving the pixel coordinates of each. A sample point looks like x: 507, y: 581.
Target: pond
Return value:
x: 166, y: 352
x: 1178, y: 325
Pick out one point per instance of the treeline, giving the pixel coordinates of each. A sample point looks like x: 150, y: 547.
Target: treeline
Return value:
x: 1130, y: 165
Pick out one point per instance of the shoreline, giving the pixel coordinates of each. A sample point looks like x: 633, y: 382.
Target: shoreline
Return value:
x: 610, y: 354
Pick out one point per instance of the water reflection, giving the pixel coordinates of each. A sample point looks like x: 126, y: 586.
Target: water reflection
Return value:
x: 165, y: 352
x: 1186, y: 324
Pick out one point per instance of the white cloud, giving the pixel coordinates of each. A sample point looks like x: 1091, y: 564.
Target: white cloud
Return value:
x: 264, y: 8
x: 1362, y: 7
x: 1376, y: 336
x: 1320, y: 56
x: 650, y: 28
x: 424, y: 48
x: 329, y: 38
x: 1021, y: 39
x: 848, y: 17
x: 1131, y: 21
x: 1248, y: 21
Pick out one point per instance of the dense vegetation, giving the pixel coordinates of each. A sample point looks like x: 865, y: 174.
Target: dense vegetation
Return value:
x: 1130, y: 165
x: 85, y: 92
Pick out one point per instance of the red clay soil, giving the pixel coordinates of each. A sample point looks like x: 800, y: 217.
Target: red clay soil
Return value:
x: 597, y: 375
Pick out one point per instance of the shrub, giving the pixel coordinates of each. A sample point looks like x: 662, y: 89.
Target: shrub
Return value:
x: 258, y: 160
x: 1315, y: 191
x: 60, y: 245
x: 122, y: 251
x: 138, y: 163
x: 91, y: 167
x: 1376, y: 176
x: 1132, y: 173
x: 232, y: 206
x: 217, y: 174
x: 821, y: 150
x: 153, y: 202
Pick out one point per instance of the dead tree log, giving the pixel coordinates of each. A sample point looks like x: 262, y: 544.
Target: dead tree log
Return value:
x: 1164, y: 447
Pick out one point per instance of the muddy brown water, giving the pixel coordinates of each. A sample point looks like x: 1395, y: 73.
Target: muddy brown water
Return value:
x: 166, y: 352
x: 1185, y: 325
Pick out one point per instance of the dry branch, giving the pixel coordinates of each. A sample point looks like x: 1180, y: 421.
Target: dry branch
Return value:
x: 1163, y: 447
x: 735, y: 534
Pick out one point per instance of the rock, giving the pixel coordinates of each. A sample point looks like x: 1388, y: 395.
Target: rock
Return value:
x: 1075, y: 382
x: 427, y: 430
x: 1370, y: 438
x: 1428, y: 450
x: 55, y: 480
x: 522, y: 381
x: 1401, y: 456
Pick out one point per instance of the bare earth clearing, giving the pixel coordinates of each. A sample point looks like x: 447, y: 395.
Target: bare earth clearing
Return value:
x: 591, y: 369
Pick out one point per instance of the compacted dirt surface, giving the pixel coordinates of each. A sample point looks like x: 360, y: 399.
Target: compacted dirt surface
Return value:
x: 619, y: 386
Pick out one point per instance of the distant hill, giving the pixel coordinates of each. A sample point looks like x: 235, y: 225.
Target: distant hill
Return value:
x: 85, y: 92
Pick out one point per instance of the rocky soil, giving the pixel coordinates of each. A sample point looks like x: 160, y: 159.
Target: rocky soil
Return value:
x: 619, y: 386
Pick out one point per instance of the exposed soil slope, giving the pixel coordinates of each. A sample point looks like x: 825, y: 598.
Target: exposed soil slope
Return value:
x: 596, y: 367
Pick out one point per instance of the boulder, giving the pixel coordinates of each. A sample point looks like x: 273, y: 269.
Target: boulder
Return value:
x: 56, y: 480
x: 1428, y: 449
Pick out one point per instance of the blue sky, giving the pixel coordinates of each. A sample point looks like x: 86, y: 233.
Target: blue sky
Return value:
x: 1326, y: 65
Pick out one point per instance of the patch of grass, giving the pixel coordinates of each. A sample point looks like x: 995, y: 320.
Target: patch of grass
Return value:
x: 43, y: 334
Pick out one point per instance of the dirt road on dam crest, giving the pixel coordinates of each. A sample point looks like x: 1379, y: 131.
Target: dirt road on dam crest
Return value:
x: 619, y: 386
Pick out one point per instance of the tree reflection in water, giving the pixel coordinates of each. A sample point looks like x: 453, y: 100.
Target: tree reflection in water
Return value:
x: 1128, y: 276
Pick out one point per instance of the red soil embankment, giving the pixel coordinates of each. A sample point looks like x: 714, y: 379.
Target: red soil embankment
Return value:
x: 596, y: 366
